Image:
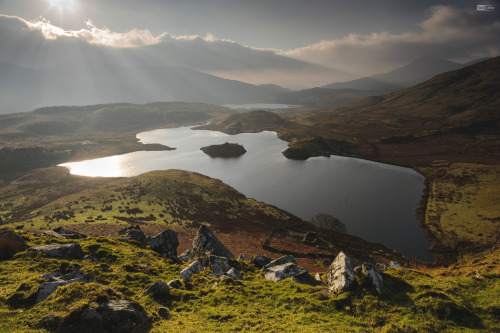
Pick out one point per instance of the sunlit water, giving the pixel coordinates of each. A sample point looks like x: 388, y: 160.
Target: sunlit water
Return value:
x: 376, y: 201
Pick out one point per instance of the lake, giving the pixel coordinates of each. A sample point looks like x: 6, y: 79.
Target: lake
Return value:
x: 375, y: 201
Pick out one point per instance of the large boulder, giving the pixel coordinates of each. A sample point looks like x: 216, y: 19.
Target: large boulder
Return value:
x: 218, y: 265
x: 205, y: 243
x: 340, y: 274
x: 157, y: 289
x: 70, y: 251
x: 165, y: 243
x: 10, y: 244
x: 132, y: 232
x: 284, y: 271
x: 232, y: 273
x: 117, y: 316
x: 193, y: 268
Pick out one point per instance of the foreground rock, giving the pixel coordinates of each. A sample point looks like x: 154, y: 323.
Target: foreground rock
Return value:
x: 218, y: 265
x: 205, y: 243
x: 57, y: 280
x: 117, y: 316
x: 281, y: 272
x: 69, y: 251
x: 340, y: 274
x: 62, y: 232
x: 157, y: 289
x: 132, y: 232
x: 260, y: 260
x: 10, y: 244
x: 165, y: 243
x: 193, y: 268
x: 280, y: 261
x: 343, y: 274
x: 225, y: 150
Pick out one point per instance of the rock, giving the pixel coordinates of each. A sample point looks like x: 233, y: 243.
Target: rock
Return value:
x: 90, y: 258
x: 132, y: 232
x: 56, y: 280
x: 394, y: 264
x: 224, y: 150
x: 185, y: 255
x: 163, y: 312
x: 174, y: 284
x: 373, y: 274
x: 340, y: 274
x: 157, y: 289
x: 65, y: 233
x: 306, y: 278
x: 117, y: 316
x: 10, y: 244
x: 234, y: 274
x: 193, y: 268
x: 281, y: 272
x: 52, y: 234
x: 205, y: 243
x: 70, y: 251
x: 260, y: 260
x: 242, y: 257
x: 218, y: 265
x: 280, y: 261
x: 381, y: 266
x: 165, y: 243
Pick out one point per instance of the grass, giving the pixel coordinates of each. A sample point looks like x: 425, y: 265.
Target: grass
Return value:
x: 439, y: 299
x: 462, y: 208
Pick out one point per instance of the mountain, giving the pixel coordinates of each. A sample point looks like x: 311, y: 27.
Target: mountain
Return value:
x: 322, y: 97
x: 417, y: 71
x: 99, y: 82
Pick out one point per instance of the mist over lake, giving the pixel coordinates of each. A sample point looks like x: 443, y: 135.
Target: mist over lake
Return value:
x: 375, y: 201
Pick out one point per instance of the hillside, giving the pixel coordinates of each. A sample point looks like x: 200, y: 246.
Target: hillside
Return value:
x: 53, y: 135
x: 447, y: 128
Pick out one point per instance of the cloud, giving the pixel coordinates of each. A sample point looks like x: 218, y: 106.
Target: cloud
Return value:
x: 452, y: 33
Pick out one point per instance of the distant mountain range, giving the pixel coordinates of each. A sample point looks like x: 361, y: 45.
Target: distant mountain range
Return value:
x: 417, y: 71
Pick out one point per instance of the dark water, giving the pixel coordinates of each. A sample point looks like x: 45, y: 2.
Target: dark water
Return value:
x: 375, y: 201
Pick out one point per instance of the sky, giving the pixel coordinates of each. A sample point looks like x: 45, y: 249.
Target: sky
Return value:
x: 249, y: 39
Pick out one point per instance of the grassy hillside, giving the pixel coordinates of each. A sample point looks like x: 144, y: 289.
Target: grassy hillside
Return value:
x: 462, y: 298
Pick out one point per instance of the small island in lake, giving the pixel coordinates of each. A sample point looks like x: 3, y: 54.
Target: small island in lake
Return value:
x: 224, y: 150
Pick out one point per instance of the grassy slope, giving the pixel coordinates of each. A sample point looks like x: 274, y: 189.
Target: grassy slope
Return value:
x: 464, y: 297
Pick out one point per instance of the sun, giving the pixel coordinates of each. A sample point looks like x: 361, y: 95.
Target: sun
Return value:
x: 62, y: 5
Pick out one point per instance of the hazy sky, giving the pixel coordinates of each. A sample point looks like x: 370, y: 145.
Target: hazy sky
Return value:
x: 358, y: 37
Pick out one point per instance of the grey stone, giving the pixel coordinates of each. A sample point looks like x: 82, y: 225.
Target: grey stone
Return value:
x: 193, y: 268
x: 56, y: 280
x: 260, y: 260
x: 132, y: 232
x: 165, y: 243
x: 381, y: 266
x: 340, y: 274
x: 205, y: 243
x: 317, y: 277
x: 68, y: 233
x: 242, y: 257
x: 70, y: 251
x: 117, y: 316
x: 394, y: 264
x: 218, y: 265
x: 306, y: 278
x: 174, y: 284
x: 159, y: 288
x: 280, y: 261
x: 374, y: 275
x: 90, y: 258
x: 281, y: 272
x: 234, y: 274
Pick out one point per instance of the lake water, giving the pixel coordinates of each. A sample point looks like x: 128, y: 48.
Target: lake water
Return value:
x: 375, y: 201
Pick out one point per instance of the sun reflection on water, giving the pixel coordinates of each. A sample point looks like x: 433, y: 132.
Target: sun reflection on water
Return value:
x: 112, y: 166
